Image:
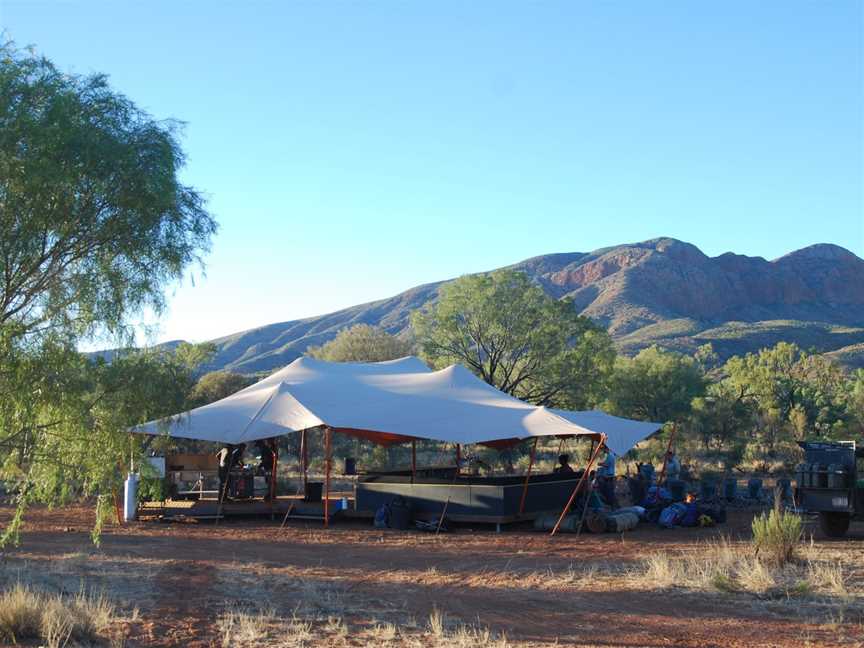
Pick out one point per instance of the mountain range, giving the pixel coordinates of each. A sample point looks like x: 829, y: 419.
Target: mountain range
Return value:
x: 662, y: 291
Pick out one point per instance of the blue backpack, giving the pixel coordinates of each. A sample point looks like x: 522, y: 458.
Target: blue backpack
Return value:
x: 382, y: 517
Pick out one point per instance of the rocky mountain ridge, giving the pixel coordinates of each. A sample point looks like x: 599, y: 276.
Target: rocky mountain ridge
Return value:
x: 661, y: 291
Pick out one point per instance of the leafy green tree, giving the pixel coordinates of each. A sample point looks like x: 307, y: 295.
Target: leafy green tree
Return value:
x: 94, y: 225
x: 796, y: 393
x: 94, y: 221
x: 517, y: 338
x: 656, y: 385
x: 216, y: 385
x: 362, y: 343
x: 74, y: 441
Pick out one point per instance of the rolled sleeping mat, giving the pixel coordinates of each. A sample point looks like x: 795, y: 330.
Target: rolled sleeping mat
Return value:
x: 619, y: 522
x: 638, y: 510
x: 547, y: 522
x: 595, y: 522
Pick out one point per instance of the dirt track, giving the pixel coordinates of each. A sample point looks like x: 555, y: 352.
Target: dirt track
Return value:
x: 535, y: 588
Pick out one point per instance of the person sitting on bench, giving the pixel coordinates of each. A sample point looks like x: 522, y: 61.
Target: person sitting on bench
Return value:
x: 563, y: 466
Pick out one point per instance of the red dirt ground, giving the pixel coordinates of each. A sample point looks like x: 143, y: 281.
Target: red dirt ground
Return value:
x: 472, y: 574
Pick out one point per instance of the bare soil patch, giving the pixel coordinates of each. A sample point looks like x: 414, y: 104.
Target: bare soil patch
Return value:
x: 196, y: 584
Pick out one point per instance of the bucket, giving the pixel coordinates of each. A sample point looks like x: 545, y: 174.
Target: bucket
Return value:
x: 730, y: 489
x: 350, y: 466
x: 754, y: 488
x: 313, y: 491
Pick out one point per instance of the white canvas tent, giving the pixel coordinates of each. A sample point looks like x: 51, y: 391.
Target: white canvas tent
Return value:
x: 389, y: 402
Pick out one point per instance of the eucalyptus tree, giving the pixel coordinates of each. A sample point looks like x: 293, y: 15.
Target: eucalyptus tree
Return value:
x: 517, y: 338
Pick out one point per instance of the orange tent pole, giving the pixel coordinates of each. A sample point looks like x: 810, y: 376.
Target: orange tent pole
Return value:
x: 528, y: 476
x: 579, y: 485
x: 327, y: 466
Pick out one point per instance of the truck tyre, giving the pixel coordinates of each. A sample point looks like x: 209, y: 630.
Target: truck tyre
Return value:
x: 834, y: 525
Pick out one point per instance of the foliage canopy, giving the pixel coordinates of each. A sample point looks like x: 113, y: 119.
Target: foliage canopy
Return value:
x: 517, y: 338
x: 362, y: 343
x: 94, y: 225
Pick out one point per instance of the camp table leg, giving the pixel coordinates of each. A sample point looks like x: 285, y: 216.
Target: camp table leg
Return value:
x: 528, y: 476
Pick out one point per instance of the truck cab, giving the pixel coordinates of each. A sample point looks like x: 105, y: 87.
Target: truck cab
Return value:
x: 830, y: 482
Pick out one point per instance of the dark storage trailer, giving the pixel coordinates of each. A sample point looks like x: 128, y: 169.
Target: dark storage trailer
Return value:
x: 830, y: 484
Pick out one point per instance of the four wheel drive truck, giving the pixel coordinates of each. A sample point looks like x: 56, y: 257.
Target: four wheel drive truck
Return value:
x: 830, y: 482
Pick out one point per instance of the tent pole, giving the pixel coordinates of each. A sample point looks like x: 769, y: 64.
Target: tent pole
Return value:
x: 528, y: 476
x: 273, y: 476
x: 327, y: 462
x: 413, y: 461
x: 304, y: 457
x: 585, y: 508
x: 579, y: 484
x: 662, y: 476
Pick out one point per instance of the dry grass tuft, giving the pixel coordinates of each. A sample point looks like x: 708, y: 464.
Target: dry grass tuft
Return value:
x: 28, y: 614
x: 728, y: 568
x: 443, y: 633
x: 241, y: 627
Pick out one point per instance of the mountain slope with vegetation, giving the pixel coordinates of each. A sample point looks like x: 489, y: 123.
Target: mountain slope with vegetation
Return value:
x: 662, y: 291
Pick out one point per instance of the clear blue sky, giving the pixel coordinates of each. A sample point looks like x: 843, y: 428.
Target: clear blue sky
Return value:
x: 353, y: 150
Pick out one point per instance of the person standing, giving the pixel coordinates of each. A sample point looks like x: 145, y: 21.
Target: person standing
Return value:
x: 606, y: 474
x: 673, y: 467
x: 225, y: 457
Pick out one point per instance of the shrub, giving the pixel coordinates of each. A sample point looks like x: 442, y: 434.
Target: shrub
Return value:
x: 776, y: 535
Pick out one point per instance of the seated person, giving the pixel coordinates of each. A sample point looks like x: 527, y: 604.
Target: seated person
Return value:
x: 563, y: 466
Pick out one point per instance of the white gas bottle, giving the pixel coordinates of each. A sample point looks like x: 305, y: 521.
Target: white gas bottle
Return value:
x: 130, y: 497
